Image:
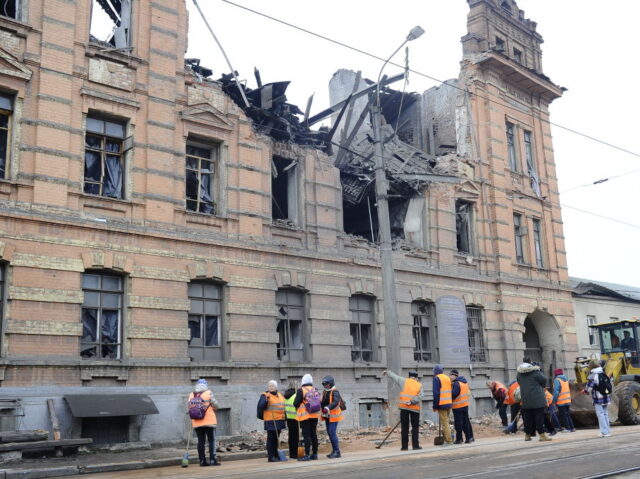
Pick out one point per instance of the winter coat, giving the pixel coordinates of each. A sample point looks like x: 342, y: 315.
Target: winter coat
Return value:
x: 270, y: 425
x: 326, y: 395
x: 532, y: 383
x: 592, y: 387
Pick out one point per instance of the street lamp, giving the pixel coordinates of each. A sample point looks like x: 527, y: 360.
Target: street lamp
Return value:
x: 392, y: 331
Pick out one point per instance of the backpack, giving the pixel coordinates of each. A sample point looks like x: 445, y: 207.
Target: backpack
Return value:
x: 197, y: 406
x: 312, y: 401
x: 604, y: 386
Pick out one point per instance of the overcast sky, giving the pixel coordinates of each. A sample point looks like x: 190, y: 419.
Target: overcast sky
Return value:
x: 590, y: 48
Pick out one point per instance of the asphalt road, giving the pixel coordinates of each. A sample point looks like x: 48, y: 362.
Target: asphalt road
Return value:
x: 577, y: 455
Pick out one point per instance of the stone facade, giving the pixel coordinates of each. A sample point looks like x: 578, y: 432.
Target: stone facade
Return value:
x: 52, y: 233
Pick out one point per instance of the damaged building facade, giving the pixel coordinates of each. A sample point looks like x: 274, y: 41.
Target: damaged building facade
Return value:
x: 157, y: 226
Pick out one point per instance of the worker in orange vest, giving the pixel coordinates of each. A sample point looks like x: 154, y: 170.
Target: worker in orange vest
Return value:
x: 461, y: 394
x: 202, y: 410
x: 442, y: 401
x: 271, y: 408
x: 332, y: 404
x: 409, y: 404
x: 308, y: 409
x: 562, y: 400
x: 499, y: 393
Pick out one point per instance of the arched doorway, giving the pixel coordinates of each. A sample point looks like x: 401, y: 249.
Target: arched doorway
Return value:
x: 543, y: 342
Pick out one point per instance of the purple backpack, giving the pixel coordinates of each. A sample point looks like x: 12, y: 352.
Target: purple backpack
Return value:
x: 197, y: 406
x: 312, y: 401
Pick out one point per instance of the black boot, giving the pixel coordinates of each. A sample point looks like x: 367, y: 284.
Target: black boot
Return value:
x: 203, y: 463
x: 214, y: 461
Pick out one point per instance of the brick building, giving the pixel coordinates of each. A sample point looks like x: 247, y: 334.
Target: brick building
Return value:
x: 151, y: 234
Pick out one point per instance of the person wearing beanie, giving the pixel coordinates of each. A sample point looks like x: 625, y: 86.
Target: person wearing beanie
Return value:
x: 461, y: 394
x: 305, y: 403
x: 293, y: 426
x: 534, y: 402
x: 206, y: 427
x: 409, y: 403
x: 562, y: 400
x: 271, y: 411
x: 600, y: 401
x: 442, y: 401
x: 332, y: 413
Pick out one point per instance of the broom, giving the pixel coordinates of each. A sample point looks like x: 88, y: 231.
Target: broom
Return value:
x: 185, y: 456
x: 300, y: 444
x: 281, y: 455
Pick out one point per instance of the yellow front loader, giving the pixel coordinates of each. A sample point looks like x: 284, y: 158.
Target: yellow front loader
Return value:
x: 619, y: 352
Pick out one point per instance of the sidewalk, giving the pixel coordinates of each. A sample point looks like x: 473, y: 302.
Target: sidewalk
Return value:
x: 145, y: 459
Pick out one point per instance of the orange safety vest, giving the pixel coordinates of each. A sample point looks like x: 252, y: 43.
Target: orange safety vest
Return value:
x: 445, y: 389
x: 335, y: 415
x: 275, y: 407
x: 564, y: 397
x: 462, y: 400
x: 511, y: 399
x: 302, y: 414
x: 410, y: 390
x: 549, y: 397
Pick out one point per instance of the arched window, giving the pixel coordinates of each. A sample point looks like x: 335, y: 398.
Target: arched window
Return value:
x: 102, y: 316
x: 205, y: 320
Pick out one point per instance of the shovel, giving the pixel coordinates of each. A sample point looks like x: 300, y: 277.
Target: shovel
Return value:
x: 185, y: 456
x: 439, y: 439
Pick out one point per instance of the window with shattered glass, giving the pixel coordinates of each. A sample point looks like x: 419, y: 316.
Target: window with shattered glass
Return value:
x: 537, y: 242
x: 464, y: 215
x: 361, y: 327
x: 424, y: 325
x: 101, y: 316
x: 475, y: 331
x: 200, y: 178
x: 111, y: 23
x: 205, y: 321
x: 104, y: 157
x: 519, y: 232
x: 290, y: 310
x: 6, y: 109
x: 10, y: 8
x: 511, y: 147
x: 284, y: 190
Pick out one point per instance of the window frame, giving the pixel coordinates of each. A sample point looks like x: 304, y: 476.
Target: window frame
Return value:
x: 357, y: 350
x: 420, y: 353
x: 112, y: 41
x: 477, y: 353
x: 519, y: 233
x: 538, y: 249
x: 512, y: 150
x: 518, y: 56
x: 18, y: 7
x: 294, y: 201
x: 286, y: 352
x: 529, y: 150
x: 214, y: 159
x: 98, y: 343
x: 592, y: 334
x: 469, y: 229
x: 8, y: 114
x: 103, y: 153
x: 208, y: 352
x: 4, y: 267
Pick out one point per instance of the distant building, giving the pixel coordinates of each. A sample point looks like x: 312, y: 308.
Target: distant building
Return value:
x: 155, y: 230
x: 597, y: 302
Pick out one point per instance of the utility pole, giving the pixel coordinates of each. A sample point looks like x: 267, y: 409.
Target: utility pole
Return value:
x: 389, y: 300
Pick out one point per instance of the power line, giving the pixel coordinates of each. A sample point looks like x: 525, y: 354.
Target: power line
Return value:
x: 600, y: 216
x: 442, y: 82
x: 600, y: 181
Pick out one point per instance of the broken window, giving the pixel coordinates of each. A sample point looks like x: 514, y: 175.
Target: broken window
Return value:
x: 205, y: 320
x: 101, y: 316
x: 517, y: 55
x: 111, y: 22
x: 464, y: 215
x: 475, y: 330
x: 290, y: 316
x: 361, y: 327
x: 528, y: 151
x: 519, y: 231
x: 200, y: 177
x: 6, y: 109
x: 499, y: 44
x: 593, y: 333
x: 511, y: 147
x: 10, y: 8
x: 104, y: 157
x: 284, y: 190
x: 423, y: 330
x: 537, y: 242
x: 359, y: 217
